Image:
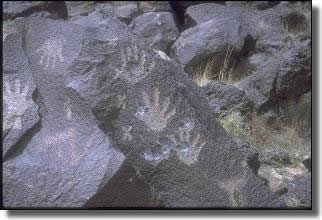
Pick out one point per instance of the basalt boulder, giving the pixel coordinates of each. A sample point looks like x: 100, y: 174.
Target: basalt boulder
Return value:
x: 156, y: 28
x: 68, y: 159
x: 161, y: 121
x: 20, y: 112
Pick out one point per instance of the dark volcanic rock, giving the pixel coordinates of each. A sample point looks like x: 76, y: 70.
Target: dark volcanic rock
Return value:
x: 225, y: 98
x: 284, y: 75
x: 126, y: 189
x: 299, y: 192
x: 125, y: 11
x: 257, y: 5
x: 112, y: 108
x: 272, y: 47
x: 162, y: 123
x: 250, y: 154
x: 274, y: 157
x: 76, y: 8
x: 156, y: 28
x: 307, y: 161
x: 209, y: 39
x: 20, y: 112
x: 69, y: 159
x: 15, y: 8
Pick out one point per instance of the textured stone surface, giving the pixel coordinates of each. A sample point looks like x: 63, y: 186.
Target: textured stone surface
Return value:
x: 207, y: 39
x: 122, y: 10
x: 155, y: 119
x: 285, y: 74
x: 15, y: 8
x: 250, y: 154
x: 76, y: 8
x: 97, y: 115
x: 20, y: 112
x: 225, y: 98
x: 299, y: 192
x: 274, y: 157
x: 156, y: 28
x: 69, y: 159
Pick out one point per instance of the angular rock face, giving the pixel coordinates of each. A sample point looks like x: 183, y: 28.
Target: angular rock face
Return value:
x: 161, y: 121
x: 257, y: 5
x: 156, y: 28
x: 285, y: 75
x: 211, y: 38
x: 70, y: 158
x: 114, y: 110
x: 124, y: 11
x: 299, y: 192
x: 76, y: 8
x: 271, y: 47
x: 16, y: 8
x: 226, y: 98
x: 20, y: 112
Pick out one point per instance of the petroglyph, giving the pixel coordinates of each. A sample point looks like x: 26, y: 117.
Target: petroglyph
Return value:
x: 231, y: 186
x: 127, y: 133
x: 159, y: 152
x: 157, y: 19
x: 68, y: 110
x: 56, y: 151
x: 187, y: 148
x: 155, y: 115
x: 134, y: 66
x: 50, y: 51
x: 112, y: 41
x: 17, y: 103
x: 120, y: 101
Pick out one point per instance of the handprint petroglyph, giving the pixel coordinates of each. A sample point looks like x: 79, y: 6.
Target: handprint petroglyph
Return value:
x: 187, y: 148
x: 17, y: 103
x: 50, y: 51
x: 159, y: 152
x: 127, y: 133
x: 155, y: 115
x: 134, y: 66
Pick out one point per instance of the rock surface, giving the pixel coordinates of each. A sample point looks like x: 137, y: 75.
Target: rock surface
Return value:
x: 274, y: 157
x: 20, y: 112
x: 97, y: 115
x: 299, y: 192
x: 209, y: 39
x: 279, y: 35
x: 69, y: 159
x: 171, y: 143
x: 124, y: 11
x: 250, y: 154
x: 13, y: 9
x: 156, y: 28
x: 225, y: 98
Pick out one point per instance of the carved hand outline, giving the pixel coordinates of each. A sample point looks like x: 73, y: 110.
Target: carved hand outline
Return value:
x: 156, y: 116
x: 187, y: 148
x: 134, y: 67
x: 50, y: 51
x: 17, y: 103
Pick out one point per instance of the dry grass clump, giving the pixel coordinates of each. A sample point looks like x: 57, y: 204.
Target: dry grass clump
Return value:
x: 208, y: 71
x: 261, y: 135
